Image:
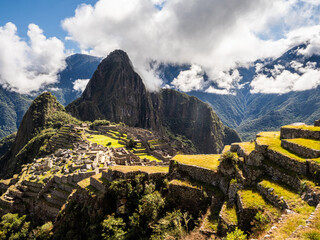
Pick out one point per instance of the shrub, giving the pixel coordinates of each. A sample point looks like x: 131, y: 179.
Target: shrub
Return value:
x: 131, y: 143
x: 97, y: 123
x: 237, y: 234
x: 260, y: 222
x: 113, y: 228
x: 45, y: 231
x: 14, y: 227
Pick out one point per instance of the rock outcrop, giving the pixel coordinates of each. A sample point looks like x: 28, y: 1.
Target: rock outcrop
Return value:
x: 117, y: 93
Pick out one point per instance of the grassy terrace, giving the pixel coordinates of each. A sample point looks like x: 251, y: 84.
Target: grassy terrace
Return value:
x: 247, y: 146
x: 147, y: 169
x: 272, y: 139
x: 147, y: 156
x: 303, y: 127
x: 291, y: 222
x: 229, y: 214
x: 104, y: 140
x: 313, y: 229
x: 309, y: 143
x: 209, y: 161
x: 293, y: 199
x: 252, y: 199
x: 184, y: 183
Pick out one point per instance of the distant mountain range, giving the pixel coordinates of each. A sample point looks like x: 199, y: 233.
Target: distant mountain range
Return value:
x: 244, y: 111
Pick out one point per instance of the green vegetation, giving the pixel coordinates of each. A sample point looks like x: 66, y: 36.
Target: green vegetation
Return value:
x: 105, y: 140
x: 237, y: 234
x: 14, y: 227
x: 302, y: 209
x: 252, y: 199
x: 6, y: 143
x: 309, y: 143
x: 272, y: 139
x: 60, y: 118
x: 293, y: 199
x: 229, y: 214
x: 147, y: 156
x: 147, y: 169
x: 210, y: 161
x: 247, y: 146
x: 303, y: 127
x: 97, y: 123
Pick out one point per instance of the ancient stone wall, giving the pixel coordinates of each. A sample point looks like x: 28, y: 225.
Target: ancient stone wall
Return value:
x: 290, y: 133
x: 197, y: 173
x: 300, y: 150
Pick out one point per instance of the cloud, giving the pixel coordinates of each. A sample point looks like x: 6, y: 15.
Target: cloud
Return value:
x: 217, y: 35
x: 27, y: 66
x: 190, y: 80
x: 283, y: 81
x: 79, y: 85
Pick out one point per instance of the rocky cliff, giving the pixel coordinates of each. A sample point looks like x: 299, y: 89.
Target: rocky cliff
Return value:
x: 117, y: 93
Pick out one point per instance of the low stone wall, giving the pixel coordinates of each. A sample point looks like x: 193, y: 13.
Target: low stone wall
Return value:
x: 187, y: 198
x: 197, y: 173
x: 317, y: 123
x: 255, y: 158
x: 224, y: 225
x: 46, y: 187
x: 111, y: 175
x: 287, y: 162
x: 245, y: 215
x: 274, y: 199
x: 300, y: 150
x: 97, y: 184
x: 311, y: 195
x: 279, y: 175
x: 290, y: 133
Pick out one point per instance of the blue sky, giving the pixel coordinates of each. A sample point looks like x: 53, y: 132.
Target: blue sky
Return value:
x: 214, y: 36
x: 47, y: 14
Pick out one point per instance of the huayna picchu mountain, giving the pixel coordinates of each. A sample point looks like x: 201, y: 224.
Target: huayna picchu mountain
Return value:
x: 117, y: 93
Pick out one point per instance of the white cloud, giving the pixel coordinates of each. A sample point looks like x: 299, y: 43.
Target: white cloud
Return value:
x: 79, y: 85
x: 28, y: 66
x: 283, y: 81
x: 217, y: 35
x: 190, y: 80
x: 217, y: 91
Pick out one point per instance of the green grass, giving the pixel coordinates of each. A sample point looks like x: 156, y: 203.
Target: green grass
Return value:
x: 147, y: 169
x: 229, y: 214
x: 272, y: 139
x: 104, y: 140
x: 293, y: 199
x: 210, y: 161
x: 309, y: 143
x: 303, y: 127
x: 252, y: 199
x: 147, y: 156
x: 247, y: 146
x: 184, y: 183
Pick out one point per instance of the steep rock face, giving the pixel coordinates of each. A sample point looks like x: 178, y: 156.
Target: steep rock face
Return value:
x: 196, y: 120
x: 117, y: 93
x: 34, y: 120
